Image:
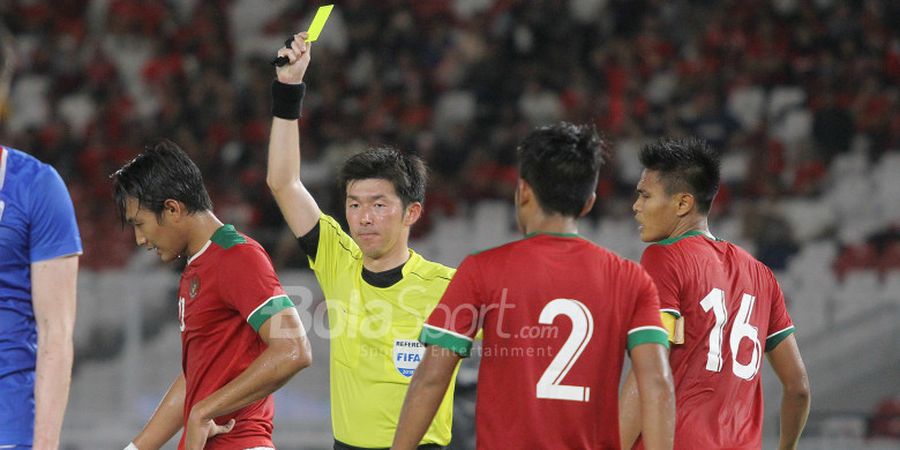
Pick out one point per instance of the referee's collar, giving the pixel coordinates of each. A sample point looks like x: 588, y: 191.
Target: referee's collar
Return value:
x: 384, y: 279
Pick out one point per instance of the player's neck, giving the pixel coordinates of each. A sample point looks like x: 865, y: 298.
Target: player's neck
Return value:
x: 203, y: 226
x: 555, y: 224
x: 689, y: 224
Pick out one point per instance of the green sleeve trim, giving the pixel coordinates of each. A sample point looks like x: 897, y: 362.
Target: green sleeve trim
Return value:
x: 269, y: 308
x: 775, y: 339
x: 454, y: 342
x: 648, y: 335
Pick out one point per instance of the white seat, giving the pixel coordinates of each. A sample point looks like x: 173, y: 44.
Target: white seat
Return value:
x: 95, y: 389
x: 27, y: 100
x: 887, y: 188
x: 890, y: 289
x: 454, y: 107
x: 858, y: 294
x: 746, y: 105
x: 734, y: 166
x: 87, y: 303
x: 450, y: 239
x: 729, y: 228
x: 845, y: 197
x: 661, y: 86
x: 78, y: 110
x: 628, y: 164
x: 619, y: 236
x: 784, y: 98
x: 491, y: 221
x: 808, y: 311
x: 843, y: 427
x: 112, y: 294
x: 811, y: 267
x: 795, y: 127
x: 854, y: 162
x: 808, y: 218
x: 540, y: 107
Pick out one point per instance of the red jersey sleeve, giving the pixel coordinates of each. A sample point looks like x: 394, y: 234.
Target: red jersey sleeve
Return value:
x: 780, y: 323
x: 658, y: 261
x: 645, y: 326
x: 247, y: 283
x: 454, y: 322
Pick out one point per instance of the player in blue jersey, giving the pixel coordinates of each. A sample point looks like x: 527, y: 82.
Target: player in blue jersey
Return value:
x: 39, y: 248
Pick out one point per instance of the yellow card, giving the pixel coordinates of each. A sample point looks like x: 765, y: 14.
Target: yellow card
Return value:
x: 318, y: 22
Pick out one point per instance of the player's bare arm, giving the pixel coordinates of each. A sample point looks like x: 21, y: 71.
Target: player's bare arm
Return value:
x: 426, y: 390
x: 287, y: 353
x: 166, y: 420
x: 629, y: 412
x: 795, y: 397
x: 53, y: 297
x: 650, y: 365
x: 297, y: 205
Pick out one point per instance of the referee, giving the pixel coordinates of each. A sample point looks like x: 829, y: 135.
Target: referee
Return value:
x: 378, y: 290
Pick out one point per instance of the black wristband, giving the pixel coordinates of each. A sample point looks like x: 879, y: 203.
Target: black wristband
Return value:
x: 287, y: 99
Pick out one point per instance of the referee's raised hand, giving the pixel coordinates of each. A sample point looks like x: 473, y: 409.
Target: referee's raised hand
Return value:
x: 298, y: 60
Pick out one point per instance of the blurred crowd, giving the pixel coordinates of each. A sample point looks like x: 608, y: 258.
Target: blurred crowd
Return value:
x: 781, y: 87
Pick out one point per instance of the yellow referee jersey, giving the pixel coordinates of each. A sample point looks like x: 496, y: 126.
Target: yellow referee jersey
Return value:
x: 374, y: 339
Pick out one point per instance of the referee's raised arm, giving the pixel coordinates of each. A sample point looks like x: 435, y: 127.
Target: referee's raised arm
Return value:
x: 283, y: 172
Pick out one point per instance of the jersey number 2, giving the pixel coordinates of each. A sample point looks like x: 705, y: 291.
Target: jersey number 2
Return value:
x: 549, y: 386
x: 741, y: 329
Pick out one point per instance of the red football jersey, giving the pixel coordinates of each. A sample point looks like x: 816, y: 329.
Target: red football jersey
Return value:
x: 558, y: 314
x: 227, y: 291
x: 733, y: 311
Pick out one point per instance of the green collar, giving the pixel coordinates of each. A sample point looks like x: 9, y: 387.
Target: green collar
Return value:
x: 566, y: 235
x: 691, y: 233
x: 226, y: 237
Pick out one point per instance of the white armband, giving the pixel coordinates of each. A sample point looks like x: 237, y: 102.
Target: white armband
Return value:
x: 131, y: 446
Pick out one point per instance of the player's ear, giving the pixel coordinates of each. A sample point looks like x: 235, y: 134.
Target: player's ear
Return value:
x: 173, y: 209
x: 412, y: 214
x: 588, y: 205
x: 686, y: 203
x: 524, y: 194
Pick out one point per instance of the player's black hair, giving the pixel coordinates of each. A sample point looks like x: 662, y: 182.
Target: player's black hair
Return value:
x: 163, y: 171
x: 561, y: 163
x: 685, y: 165
x: 406, y: 172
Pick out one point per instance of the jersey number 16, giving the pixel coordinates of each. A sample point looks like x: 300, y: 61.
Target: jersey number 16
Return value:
x: 741, y: 330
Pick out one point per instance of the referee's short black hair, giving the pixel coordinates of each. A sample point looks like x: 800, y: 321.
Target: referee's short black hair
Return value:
x: 685, y: 165
x: 163, y: 171
x: 406, y: 172
x: 562, y: 163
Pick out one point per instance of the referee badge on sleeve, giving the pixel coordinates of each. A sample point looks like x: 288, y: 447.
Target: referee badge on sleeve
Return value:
x: 407, y: 354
